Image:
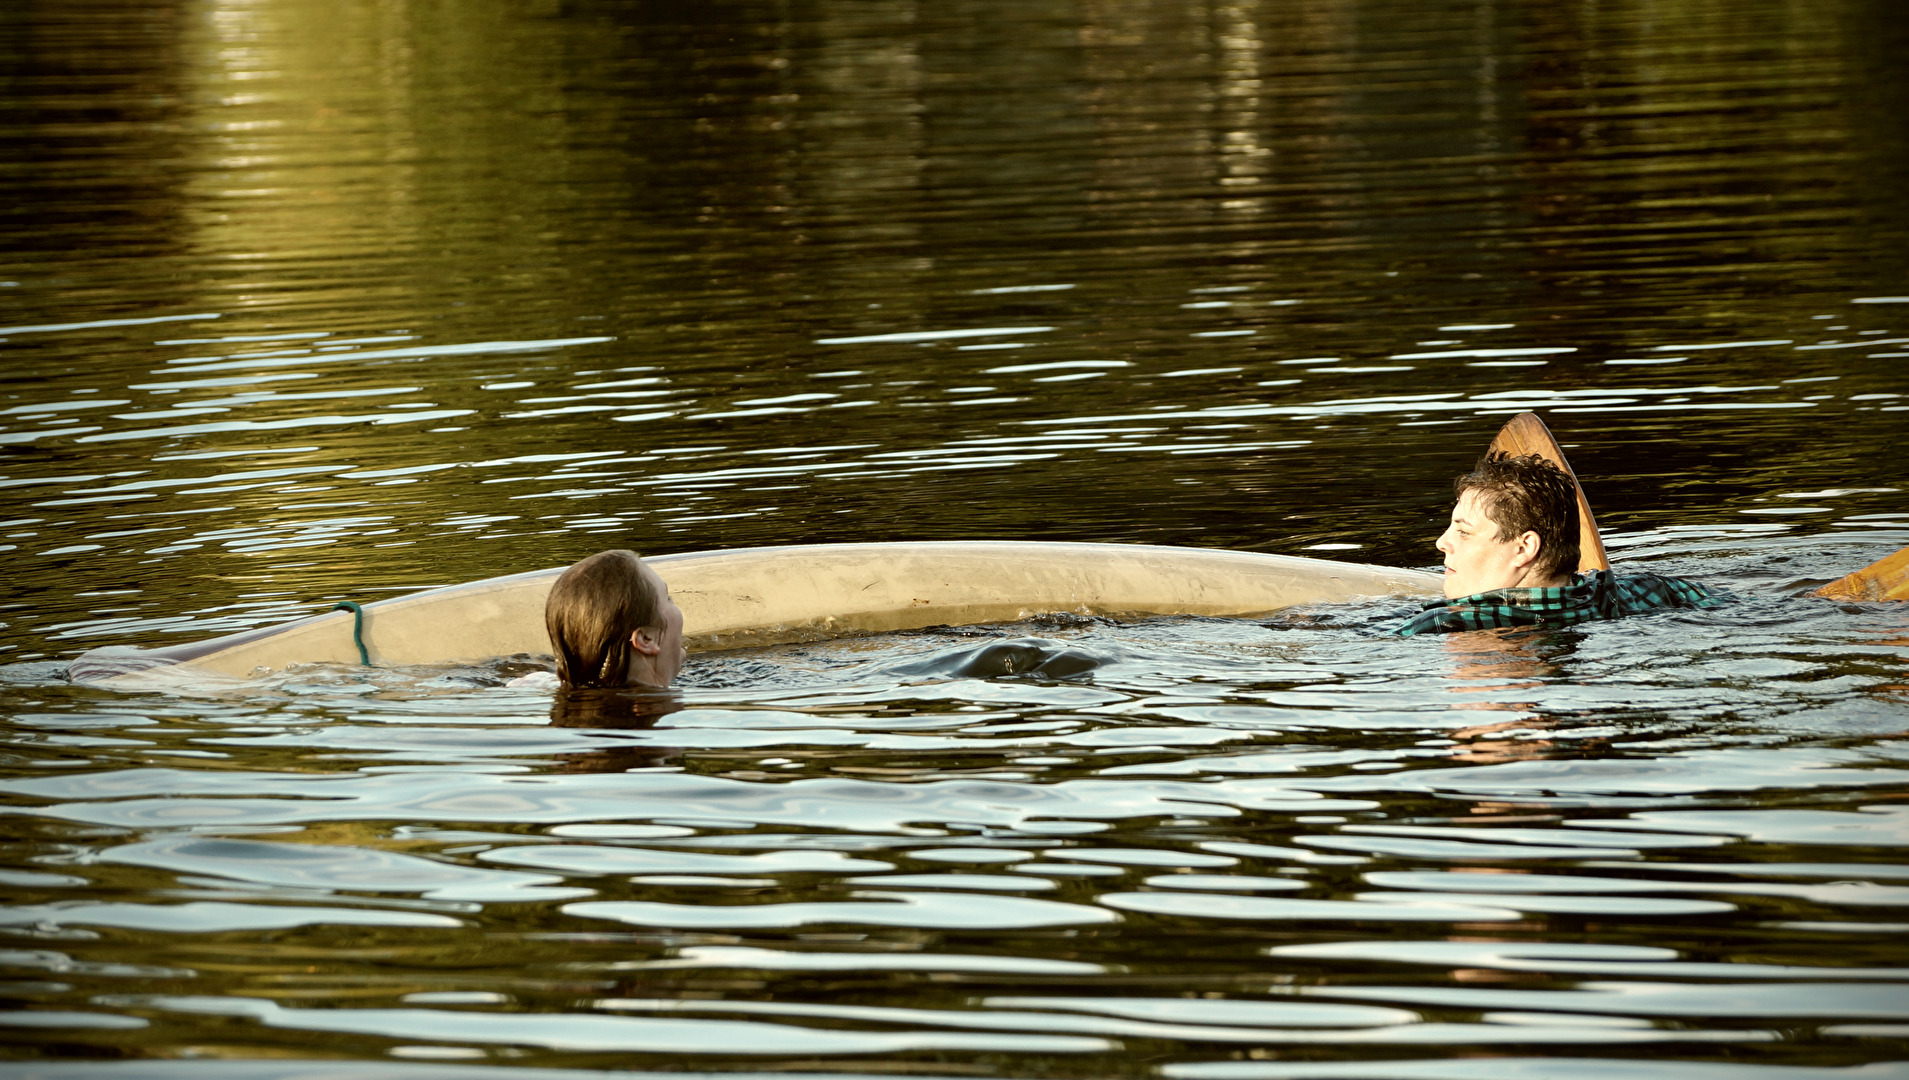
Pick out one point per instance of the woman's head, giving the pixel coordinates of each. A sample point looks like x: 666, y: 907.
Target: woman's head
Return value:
x: 612, y: 623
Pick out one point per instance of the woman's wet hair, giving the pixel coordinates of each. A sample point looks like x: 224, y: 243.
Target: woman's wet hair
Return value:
x: 593, y: 609
x: 1529, y: 494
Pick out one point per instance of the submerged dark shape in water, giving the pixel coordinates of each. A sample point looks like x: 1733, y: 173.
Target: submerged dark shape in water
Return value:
x: 1018, y: 656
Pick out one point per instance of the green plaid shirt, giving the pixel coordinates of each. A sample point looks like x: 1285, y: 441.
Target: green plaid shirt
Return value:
x: 1596, y: 594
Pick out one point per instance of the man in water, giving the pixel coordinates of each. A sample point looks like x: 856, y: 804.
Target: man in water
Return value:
x: 1509, y: 552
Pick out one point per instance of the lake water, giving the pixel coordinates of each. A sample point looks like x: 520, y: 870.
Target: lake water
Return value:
x: 310, y: 301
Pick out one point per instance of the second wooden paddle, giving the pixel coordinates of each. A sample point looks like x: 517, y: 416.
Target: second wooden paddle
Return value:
x: 1885, y: 579
x: 1526, y: 434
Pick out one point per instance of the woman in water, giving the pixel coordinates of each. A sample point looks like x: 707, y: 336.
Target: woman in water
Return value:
x: 612, y: 624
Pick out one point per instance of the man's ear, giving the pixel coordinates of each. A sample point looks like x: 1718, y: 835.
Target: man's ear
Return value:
x: 1527, y: 548
x: 644, y: 641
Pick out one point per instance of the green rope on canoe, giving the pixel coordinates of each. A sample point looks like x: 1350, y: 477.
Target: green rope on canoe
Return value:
x: 357, y: 628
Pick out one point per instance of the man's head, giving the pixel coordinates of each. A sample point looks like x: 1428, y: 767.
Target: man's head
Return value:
x: 1515, y: 524
x: 612, y: 623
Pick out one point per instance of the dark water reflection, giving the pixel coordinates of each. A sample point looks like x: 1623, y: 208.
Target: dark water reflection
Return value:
x: 302, y: 302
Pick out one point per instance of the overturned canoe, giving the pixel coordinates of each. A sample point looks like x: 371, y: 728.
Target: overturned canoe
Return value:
x: 762, y: 596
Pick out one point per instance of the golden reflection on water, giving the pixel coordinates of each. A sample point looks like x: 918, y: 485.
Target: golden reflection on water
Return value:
x: 1497, y: 663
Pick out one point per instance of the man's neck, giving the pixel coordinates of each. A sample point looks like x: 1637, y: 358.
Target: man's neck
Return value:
x: 1533, y: 580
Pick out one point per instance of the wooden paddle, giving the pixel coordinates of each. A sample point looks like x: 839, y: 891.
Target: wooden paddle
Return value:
x: 1526, y: 434
x: 1885, y: 579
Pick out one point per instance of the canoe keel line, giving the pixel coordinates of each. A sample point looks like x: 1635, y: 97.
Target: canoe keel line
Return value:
x: 765, y: 596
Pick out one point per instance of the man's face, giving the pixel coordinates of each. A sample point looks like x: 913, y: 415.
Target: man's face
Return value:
x: 1475, y: 559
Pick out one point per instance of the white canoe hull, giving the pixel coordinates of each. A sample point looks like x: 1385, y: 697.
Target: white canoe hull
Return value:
x: 760, y: 596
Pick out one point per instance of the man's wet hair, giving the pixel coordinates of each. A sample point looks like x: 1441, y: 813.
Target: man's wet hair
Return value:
x: 592, y: 610
x: 1529, y: 494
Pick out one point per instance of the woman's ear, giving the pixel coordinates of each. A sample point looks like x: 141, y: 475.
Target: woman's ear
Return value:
x: 643, y: 640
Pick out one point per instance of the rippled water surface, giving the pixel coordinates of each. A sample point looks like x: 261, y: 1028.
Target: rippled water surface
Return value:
x: 310, y: 301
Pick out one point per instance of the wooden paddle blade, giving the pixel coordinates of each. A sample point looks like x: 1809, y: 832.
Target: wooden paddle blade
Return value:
x: 1526, y: 434
x: 1885, y: 579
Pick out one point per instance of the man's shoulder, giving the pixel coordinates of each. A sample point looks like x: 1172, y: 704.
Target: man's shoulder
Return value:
x: 1650, y: 592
